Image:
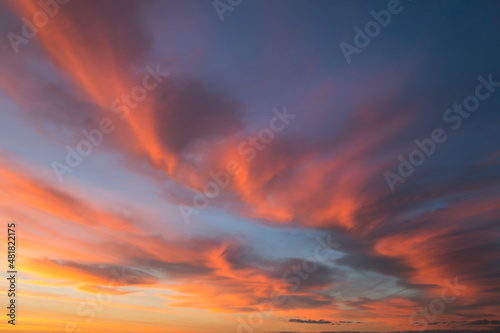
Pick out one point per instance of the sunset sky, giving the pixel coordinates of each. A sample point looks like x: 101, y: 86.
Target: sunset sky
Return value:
x: 200, y: 166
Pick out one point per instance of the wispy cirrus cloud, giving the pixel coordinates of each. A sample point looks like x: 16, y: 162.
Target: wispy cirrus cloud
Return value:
x: 323, y: 174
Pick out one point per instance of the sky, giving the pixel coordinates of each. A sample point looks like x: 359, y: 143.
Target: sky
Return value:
x: 251, y: 166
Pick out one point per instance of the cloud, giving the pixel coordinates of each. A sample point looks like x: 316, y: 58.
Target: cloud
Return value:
x: 323, y: 172
x: 484, y: 322
x: 310, y: 321
x: 101, y: 274
x: 38, y: 194
x: 188, y: 113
